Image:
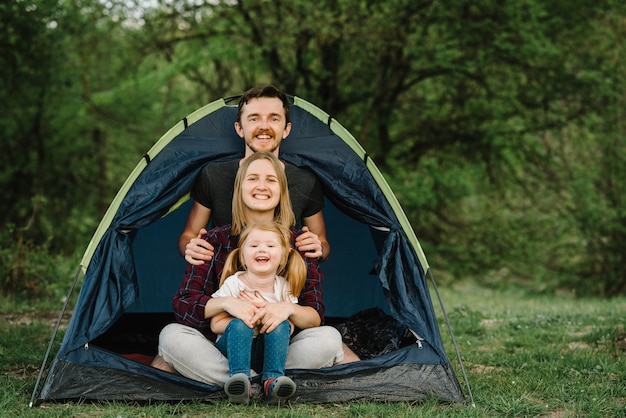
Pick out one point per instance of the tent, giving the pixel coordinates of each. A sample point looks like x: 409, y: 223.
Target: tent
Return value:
x: 131, y: 268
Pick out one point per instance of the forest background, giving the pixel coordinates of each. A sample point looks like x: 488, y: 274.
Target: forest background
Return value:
x: 499, y: 125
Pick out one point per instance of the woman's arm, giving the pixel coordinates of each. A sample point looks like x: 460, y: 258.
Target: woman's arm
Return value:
x: 192, y: 302
x: 219, y: 322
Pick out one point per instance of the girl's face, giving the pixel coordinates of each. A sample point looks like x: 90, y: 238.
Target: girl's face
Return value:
x: 262, y: 252
x: 260, y: 188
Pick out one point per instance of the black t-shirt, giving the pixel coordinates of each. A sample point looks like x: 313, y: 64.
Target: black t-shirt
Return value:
x: 214, y: 190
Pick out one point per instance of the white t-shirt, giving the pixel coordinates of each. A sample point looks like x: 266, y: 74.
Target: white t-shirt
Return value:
x: 233, y: 286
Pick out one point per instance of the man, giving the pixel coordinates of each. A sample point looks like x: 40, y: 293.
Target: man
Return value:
x: 262, y: 122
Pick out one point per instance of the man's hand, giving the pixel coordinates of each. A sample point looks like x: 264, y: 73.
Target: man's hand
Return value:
x: 309, y: 243
x: 198, y: 250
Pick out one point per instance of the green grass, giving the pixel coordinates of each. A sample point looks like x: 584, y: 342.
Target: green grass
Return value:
x: 525, y: 355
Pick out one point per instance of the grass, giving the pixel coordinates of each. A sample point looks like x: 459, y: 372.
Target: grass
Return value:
x: 525, y: 355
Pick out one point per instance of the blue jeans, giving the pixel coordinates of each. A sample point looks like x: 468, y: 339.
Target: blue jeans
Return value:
x: 267, y: 352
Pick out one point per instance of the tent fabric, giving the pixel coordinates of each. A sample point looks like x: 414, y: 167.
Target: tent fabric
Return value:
x: 132, y: 267
x: 398, y: 376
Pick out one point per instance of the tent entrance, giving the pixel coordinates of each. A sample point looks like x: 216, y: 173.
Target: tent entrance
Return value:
x: 135, y: 335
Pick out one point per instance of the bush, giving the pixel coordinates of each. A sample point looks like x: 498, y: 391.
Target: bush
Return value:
x: 26, y: 268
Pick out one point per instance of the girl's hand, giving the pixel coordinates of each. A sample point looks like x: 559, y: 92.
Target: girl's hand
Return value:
x: 253, y: 297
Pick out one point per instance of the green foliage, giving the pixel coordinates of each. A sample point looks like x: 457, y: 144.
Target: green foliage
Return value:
x: 20, y: 273
x: 26, y: 269
x: 498, y: 124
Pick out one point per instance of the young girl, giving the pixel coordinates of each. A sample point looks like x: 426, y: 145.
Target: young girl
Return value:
x: 266, y: 266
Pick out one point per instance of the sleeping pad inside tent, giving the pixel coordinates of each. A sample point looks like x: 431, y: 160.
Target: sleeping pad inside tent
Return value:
x: 375, y: 285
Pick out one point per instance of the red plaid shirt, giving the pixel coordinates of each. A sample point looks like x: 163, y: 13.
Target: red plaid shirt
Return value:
x: 200, y: 282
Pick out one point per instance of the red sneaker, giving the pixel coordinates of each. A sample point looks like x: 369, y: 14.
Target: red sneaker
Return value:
x: 278, y: 390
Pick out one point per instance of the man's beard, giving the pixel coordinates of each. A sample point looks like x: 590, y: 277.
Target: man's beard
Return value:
x: 275, y: 144
x: 255, y: 149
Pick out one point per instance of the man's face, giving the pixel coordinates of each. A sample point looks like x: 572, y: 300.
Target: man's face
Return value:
x: 262, y: 124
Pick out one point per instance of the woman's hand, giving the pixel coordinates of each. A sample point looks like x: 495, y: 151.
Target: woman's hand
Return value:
x: 273, y: 314
x: 232, y: 308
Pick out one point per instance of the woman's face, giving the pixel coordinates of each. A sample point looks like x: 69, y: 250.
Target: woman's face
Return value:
x: 260, y: 188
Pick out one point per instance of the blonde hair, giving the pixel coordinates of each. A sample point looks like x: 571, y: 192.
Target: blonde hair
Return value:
x: 283, y: 213
x: 292, y: 266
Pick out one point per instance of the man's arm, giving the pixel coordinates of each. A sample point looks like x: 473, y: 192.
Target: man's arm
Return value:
x: 190, y: 245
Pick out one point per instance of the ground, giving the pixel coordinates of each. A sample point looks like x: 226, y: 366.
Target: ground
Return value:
x: 51, y: 317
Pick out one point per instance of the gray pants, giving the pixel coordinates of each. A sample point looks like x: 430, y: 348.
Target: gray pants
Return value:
x: 195, y: 357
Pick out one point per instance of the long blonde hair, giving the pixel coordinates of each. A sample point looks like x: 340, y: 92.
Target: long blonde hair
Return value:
x: 283, y: 213
x: 292, y: 266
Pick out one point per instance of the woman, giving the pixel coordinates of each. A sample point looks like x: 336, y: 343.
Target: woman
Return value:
x: 187, y: 346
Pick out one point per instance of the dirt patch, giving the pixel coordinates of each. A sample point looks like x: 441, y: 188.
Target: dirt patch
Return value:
x: 577, y: 345
x: 620, y: 342
x: 582, y: 332
x: 481, y: 369
x: 22, y: 373
x: 490, y: 323
x: 27, y: 318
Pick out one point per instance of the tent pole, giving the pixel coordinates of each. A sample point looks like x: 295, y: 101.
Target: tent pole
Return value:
x: 456, y: 347
x: 54, y: 334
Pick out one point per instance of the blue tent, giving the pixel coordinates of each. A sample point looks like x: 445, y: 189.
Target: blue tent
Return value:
x: 131, y: 269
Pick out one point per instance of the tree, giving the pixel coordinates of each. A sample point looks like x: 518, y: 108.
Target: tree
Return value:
x: 487, y: 118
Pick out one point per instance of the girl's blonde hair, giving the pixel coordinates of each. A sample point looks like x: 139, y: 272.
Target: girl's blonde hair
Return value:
x: 292, y: 266
x: 283, y: 213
